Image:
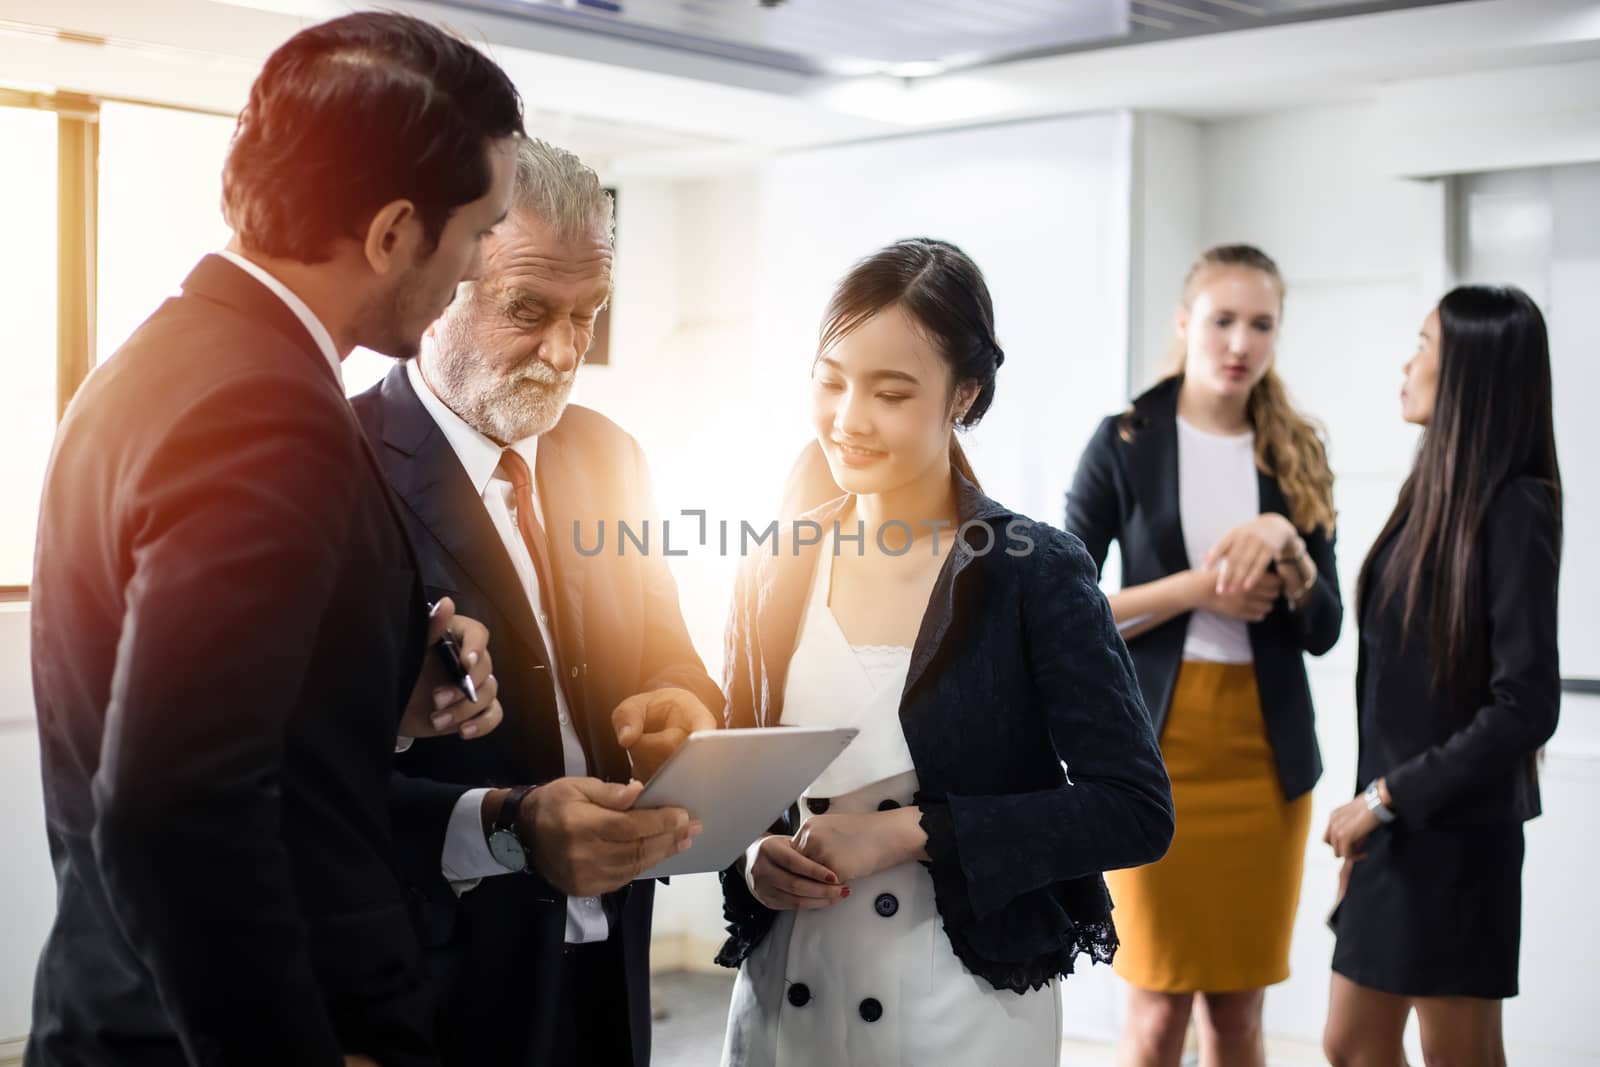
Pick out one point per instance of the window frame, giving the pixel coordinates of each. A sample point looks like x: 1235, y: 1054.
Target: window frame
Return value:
x: 77, y: 234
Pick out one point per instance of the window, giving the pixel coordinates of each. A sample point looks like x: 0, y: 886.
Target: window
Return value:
x: 28, y: 269
x: 156, y: 219
x: 95, y: 236
x: 1535, y: 229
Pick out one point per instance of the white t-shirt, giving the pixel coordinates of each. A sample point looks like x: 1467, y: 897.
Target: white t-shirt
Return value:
x: 1217, y: 490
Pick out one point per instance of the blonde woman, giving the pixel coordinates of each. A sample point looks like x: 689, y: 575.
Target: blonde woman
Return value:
x: 1219, y: 495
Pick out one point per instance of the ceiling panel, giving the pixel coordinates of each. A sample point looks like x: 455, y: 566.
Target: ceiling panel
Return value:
x: 850, y: 37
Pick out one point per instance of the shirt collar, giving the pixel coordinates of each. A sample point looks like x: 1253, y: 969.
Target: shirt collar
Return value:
x: 319, y: 333
x: 479, y: 455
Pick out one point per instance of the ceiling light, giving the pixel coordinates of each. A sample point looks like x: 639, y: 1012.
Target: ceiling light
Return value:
x: 916, y: 68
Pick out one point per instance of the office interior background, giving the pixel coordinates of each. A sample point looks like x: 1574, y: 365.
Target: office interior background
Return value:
x: 1082, y: 152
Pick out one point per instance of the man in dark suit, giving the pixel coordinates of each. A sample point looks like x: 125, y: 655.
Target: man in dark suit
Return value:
x: 538, y: 941
x: 228, y: 623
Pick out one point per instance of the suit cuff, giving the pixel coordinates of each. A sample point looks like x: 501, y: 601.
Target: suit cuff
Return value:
x: 750, y: 863
x: 950, y: 890
x: 467, y: 859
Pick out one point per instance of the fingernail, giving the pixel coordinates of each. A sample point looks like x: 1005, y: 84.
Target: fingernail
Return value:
x: 440, y: 720
x: 472, y: 658
x: 695, y: 828
x: 682, y: 845
x: 844, y: 892
x: 443, y: 698
x: 833, y: 879
x: 469, y: 729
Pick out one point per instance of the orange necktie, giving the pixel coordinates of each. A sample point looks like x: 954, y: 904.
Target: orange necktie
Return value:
x: 515, y: 468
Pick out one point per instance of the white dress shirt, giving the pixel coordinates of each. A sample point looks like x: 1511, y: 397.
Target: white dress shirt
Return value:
x: 466, y: 858
x: 1217, y: 490
x: 319, y: 333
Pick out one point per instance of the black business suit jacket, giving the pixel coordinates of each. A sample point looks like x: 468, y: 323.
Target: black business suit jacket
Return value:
x: 1126, y: 490
x: 227, y: 623
x: 496, y: 950
x: 1469, y: 756
x: 1037, y: 768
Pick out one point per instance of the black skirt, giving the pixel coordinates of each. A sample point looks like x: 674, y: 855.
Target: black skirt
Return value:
x: 1434, y: 913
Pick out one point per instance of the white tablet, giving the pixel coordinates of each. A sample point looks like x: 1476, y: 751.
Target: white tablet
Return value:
x: 737, y: 783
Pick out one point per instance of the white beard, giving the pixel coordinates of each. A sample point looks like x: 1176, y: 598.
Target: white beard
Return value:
x: 525, y: 405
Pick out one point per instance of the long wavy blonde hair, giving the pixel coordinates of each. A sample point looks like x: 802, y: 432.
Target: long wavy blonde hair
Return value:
x: 1289, y: 445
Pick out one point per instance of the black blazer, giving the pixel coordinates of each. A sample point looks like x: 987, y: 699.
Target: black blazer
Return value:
x: 496, y: 951
x: 1016, y: 670
x: 227, y: 624
x: 1127, y: 491
x: 1469, y: 758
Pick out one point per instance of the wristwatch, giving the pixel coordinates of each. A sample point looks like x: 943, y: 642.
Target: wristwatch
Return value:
x: 504, y: 844
x: 1376, y: 805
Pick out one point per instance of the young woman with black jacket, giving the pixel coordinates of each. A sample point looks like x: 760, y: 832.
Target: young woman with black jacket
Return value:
x: 1219, y: 495
x: 1457, y: 689
x: 945, y: 872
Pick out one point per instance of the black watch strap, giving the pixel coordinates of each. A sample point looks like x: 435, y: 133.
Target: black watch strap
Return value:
x: 507, y: 818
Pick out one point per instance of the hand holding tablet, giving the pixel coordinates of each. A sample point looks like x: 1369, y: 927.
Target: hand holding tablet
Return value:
x: 736, y: 783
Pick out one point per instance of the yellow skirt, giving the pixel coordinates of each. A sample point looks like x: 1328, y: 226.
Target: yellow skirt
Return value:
x: 1217, y: 912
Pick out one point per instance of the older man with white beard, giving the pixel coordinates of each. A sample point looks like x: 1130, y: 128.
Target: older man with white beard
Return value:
x: 521, y: 852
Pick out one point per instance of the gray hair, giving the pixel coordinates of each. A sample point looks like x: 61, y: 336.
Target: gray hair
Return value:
x: 558, y: 188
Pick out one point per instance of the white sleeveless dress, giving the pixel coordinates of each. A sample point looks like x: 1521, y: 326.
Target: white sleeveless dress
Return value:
x: 871, y: 980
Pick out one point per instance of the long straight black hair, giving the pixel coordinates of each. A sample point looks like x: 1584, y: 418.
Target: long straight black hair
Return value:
x: 1491, y: 423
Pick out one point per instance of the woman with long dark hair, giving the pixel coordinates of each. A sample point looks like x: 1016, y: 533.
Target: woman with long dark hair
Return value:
x: 1219, y: 493
x: 941, y: 876
x: 1457, y: 689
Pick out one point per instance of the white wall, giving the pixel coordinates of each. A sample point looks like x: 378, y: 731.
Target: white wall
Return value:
x: 28, y: 885
x: 1540, y: 229
x: 1492, y: 119
x: 1041, y: 207
x: 1166, y: 199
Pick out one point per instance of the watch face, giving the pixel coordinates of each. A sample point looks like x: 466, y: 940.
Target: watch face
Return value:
x: 508, y: 851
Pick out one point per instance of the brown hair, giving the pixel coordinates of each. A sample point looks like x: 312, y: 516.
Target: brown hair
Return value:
x: 1289, y: 444
x: 351, y: 114
x: 943, y: 291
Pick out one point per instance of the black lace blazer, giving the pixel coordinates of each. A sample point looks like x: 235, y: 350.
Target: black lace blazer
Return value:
x: 1037, y: 765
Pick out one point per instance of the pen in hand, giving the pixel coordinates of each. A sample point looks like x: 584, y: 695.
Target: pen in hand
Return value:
x: 449, y: 654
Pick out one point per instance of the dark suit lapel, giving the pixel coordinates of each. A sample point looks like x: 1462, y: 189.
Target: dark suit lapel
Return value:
x: 1153, y: 465
x: 429, y: 478
x: 566, y: 500
x: 972, y: 506
x: 389, y: 499
x: 1269, y: 494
